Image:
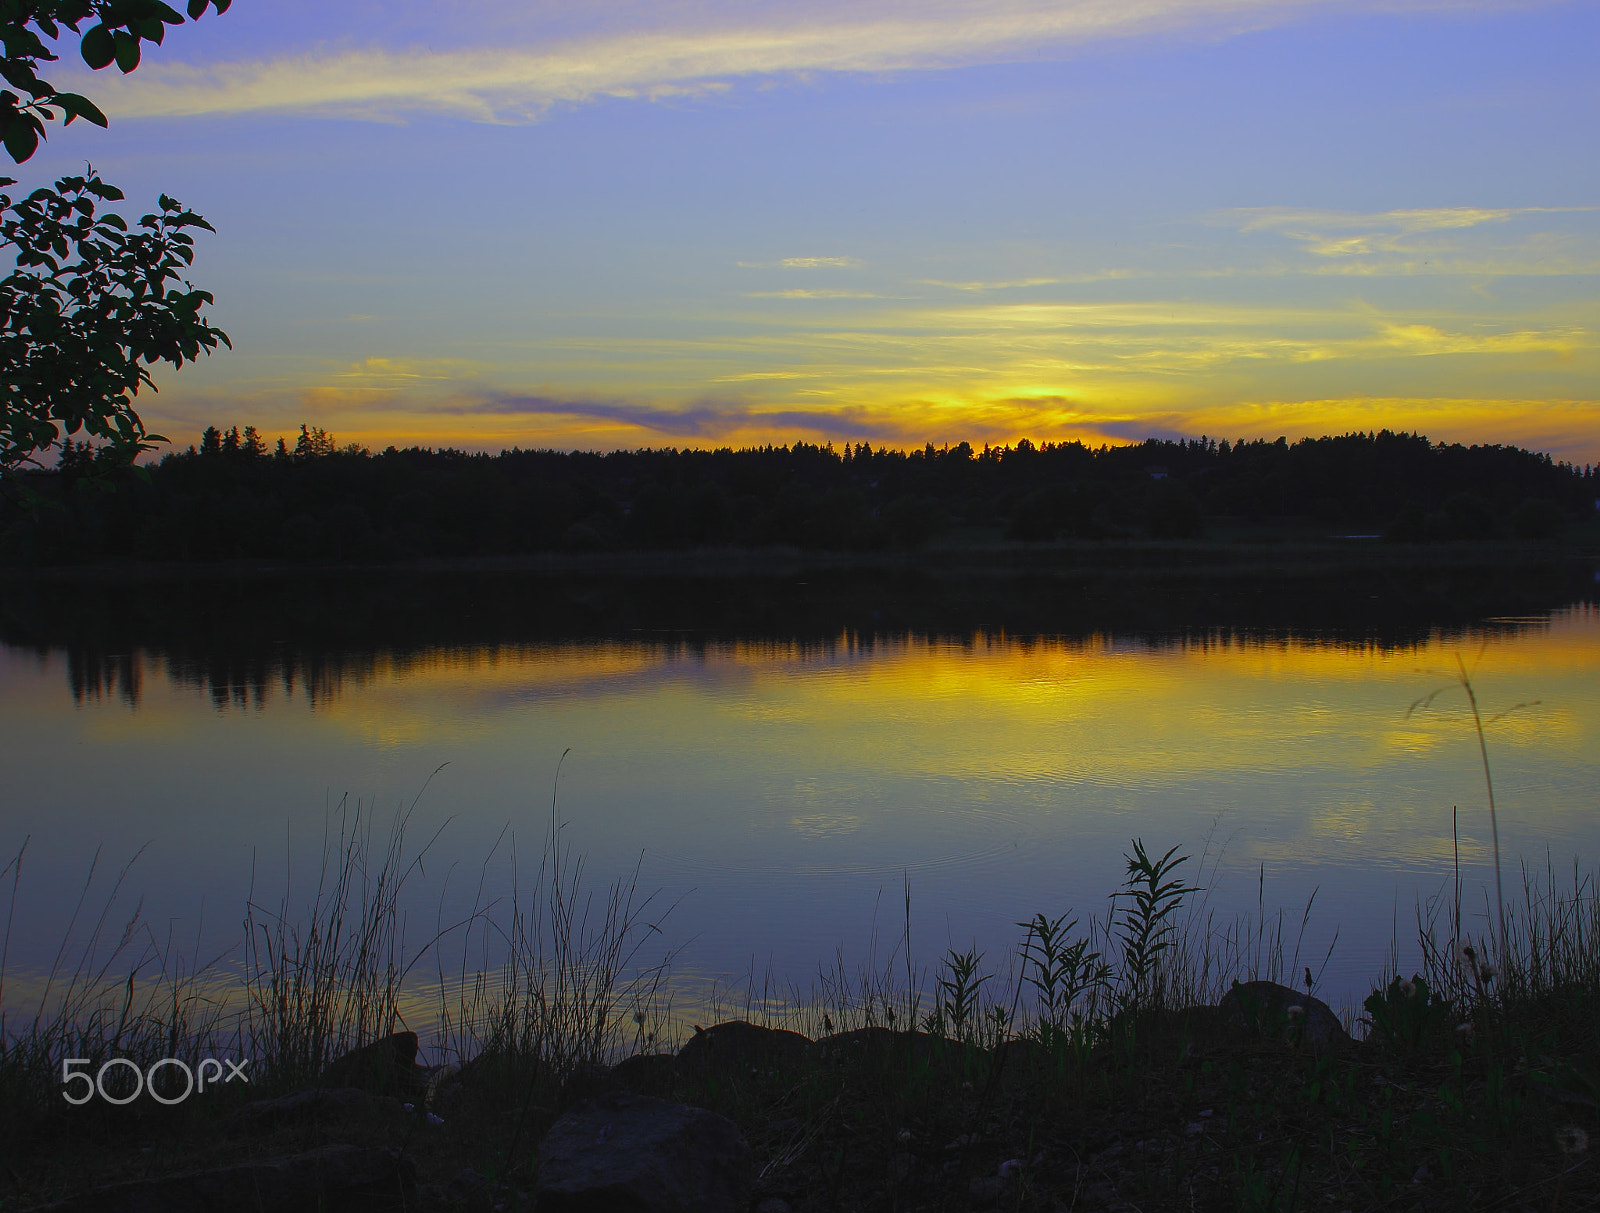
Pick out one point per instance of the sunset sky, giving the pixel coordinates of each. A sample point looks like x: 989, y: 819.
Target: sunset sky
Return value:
x: 494, y: 222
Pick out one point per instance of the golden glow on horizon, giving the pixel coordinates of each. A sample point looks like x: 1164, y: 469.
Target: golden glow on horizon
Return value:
x: 1537, y: 424
x: 794, y: 367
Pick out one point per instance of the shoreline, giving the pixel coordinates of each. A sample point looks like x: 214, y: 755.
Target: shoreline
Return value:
x: 1165, y: 559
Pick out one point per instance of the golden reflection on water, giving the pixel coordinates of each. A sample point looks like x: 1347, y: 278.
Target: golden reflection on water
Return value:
x: 1027, y: 709
x: 1100, y: 710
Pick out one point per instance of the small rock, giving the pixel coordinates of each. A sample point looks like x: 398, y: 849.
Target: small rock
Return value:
x: 587, y: 1080
x: 987, y: 1189
x: 739, y: 1043
x: 491, y: 1077
x: 384, y: 1067
x: 310, y: 1106
x: 1265, y: 1006
x: 1025, y: 1057
x: 646, y: 1074
x: 437, y: 1079
x: 626, y: 1151
x: 878, y: 1046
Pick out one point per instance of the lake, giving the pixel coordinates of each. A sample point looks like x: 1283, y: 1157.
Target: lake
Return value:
x: 783, y: 757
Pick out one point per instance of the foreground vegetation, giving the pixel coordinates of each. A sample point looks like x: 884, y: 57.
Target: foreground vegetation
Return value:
x: 1093, y: 1069
x: 235, y: 498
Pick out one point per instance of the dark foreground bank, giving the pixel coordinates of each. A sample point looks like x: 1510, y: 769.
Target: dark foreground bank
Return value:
x: 1121, y: 1068
x: 1260, y: 1103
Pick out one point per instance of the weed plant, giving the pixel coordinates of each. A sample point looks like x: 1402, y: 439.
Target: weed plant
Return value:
x: 569, y: 991
x: 319, y: 985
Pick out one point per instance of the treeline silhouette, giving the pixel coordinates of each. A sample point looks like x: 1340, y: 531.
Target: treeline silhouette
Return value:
x: 234, y: 497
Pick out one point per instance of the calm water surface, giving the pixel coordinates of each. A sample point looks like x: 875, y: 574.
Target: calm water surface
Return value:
x: 782, y: 793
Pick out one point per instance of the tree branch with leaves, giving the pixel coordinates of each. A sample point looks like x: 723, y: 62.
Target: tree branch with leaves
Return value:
x: 118, y: 29
x: 91, y: 305
x: 93, y: 302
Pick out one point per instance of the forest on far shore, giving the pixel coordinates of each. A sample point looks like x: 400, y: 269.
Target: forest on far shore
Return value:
x: 234, y: 497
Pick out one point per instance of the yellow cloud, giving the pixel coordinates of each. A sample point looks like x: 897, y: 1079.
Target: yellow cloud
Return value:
x: 1428, y: 339
x: 813, y: 263
x: 1351, y: 233
x: 802, y: 263
x: 1016, y: 284
x: 400, y: 370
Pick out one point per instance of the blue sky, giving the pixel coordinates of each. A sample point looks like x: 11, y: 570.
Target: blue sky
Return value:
x: 488, y: 223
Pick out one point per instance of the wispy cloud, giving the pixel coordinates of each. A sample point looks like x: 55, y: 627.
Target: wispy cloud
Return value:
x: 1425, y: 339
x: 717, y: 45
x: 800, y: 293
x: 705, y: 418
x: 692, y: 420
x: 801, y: 263
x: 1012, y: 285
x: 815, y: 263
x: 1350, y: 233
x: 377, y: 371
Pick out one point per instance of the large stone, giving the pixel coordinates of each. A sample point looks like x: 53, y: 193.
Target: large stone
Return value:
x: 334, y: 1179
x: 1268, y: 1009
x: 879, y: 1047
x: 384, y: 1067
x: 738, y: 1043
x: 626, y: 1152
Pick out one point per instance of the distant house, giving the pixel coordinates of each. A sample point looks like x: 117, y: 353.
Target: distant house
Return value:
x: 1156, y: 471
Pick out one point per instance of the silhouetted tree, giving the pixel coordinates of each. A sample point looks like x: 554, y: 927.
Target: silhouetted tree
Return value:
x: 314, y: 443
